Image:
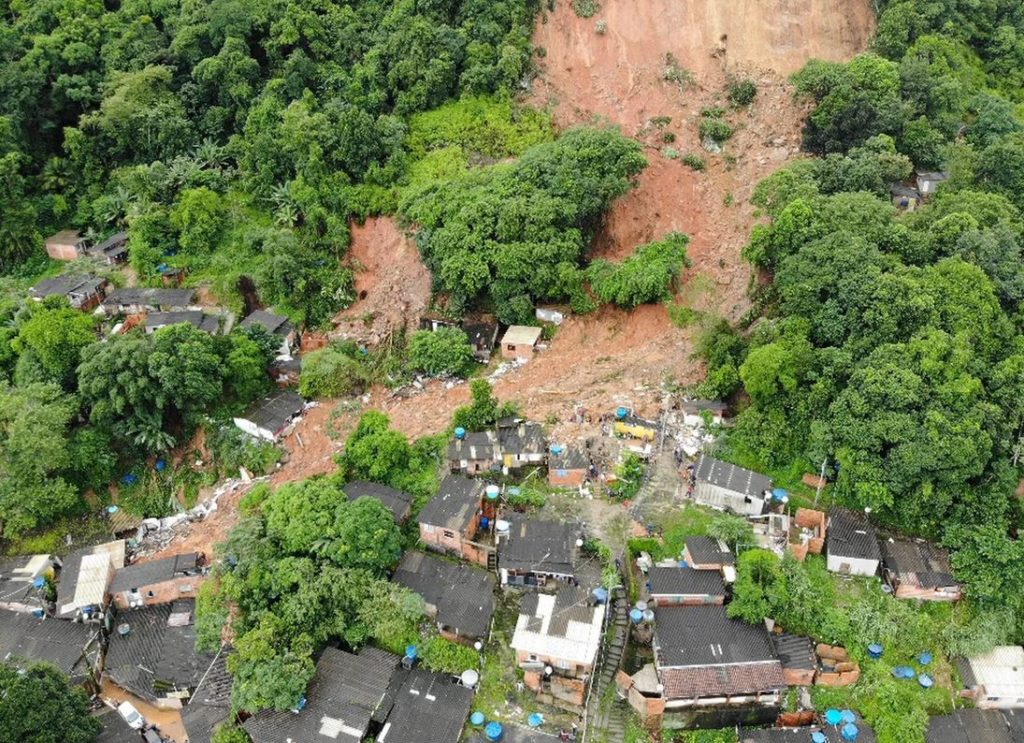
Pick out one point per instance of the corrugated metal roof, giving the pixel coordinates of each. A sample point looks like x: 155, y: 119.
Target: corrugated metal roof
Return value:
x: 731, y: 477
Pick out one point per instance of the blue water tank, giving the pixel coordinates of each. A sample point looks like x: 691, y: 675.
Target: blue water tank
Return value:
x: 818, y: 737
x: 38, y: 582
x: 600, y: 595
x: 850, y: 731
x: 130, y: 479
x: 484, y: 522
x: 925, y: 658
x: 621, y: 413
x: 411, y: 652
x: 849, y: 716
x: 112, y: 510
x: 556, y: 449
x: 926, y: 681
x: 535, y: 720
x: 460, y: 433
x: 780, y: 495
x: 160, y: 465
x: 476, y: 719
x: 494, y: 731
x: 875, y: 650
x: 38, y: 613
x: 636, y: 616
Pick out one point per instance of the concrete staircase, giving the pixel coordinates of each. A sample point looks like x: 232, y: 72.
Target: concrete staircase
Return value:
x: 606, y: 713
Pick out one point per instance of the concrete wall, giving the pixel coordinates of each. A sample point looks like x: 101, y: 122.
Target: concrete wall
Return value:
x: 719, y: 497
x: 687, y: 600
x: 517, y: 351
x: 851, y: 565
x: 61, y: 251
x: 457, y: 544
x: 575, y: 670
x: 163, y: 593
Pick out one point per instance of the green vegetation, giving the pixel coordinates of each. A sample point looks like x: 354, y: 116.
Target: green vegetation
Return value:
x: 643, y: 278
x: 674, y: 73
x: 484, y: 410
x: 516, y: 233
x: 445, y: 351
x: 713, y: 126
x: 742, y: 92
x: 445, y: 656
x: 37, y: 704
x: 586, y: 8
x: 332, y: 371
x: 694, y: 161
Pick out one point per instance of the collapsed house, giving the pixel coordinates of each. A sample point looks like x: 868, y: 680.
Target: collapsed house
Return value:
x: 916, y: 569
x: 568, y: 466
x: 513, y: 443
x: 557, y: 638
x: 278, y: 326
x: 458, y: 597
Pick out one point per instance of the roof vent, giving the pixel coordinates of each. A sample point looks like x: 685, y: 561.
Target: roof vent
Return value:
x: 124, y: 629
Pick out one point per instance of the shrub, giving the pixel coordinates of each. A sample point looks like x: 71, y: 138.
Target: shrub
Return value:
x: 694, y: 161
x: 671, y: 153
x: 645, y: 276
x: 331, y: 372
x: 742, y: 92
x: 668, y: 137
x: 585, y: 8
x: 445, y: 656
x: 443, y: 351
x: 675, y: 73
x: 715, y: 129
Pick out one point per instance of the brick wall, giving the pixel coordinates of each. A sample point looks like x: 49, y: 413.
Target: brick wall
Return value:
x: 163, y: 593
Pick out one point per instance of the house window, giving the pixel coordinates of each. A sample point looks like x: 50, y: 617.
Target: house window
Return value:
x: 185, y: 588
x: 532, y: 657
x: 428, y: 528
x: 510, y: 347
x: 563, y: 664
x: 449, y: 534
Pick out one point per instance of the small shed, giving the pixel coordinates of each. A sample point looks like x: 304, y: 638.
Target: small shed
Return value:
x: 917, y: 569
x: 995, y: 680
x: 707, y: 553
x: 269, y: 418
x: 568, y: 466
x: 482, y: 337
x: 113, y: 250
x: 66, y: 245
x: 520, y: 341
x: 851, y: 545
x: 695, y: 411
x: 684, y: 586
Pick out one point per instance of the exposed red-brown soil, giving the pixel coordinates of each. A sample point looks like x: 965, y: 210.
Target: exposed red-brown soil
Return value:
x: 392, y: 285
x: 612, y: 357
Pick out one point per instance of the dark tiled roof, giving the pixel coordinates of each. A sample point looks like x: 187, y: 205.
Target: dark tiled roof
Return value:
x: 517, y: 734
x: 278, y: 324
x: 475, y: 446
x: 57, y: 641
x: 705, y: 636
x: 463, y: 595
x: 521, y: 439
x: 538, y: 546
x: 210, y: 704
x: 150, y: 297
x: 667, y: 581
x: 481, y: 335
x: 155, y: 571
x: 396, y: 501
x: 62, y: 285
x: 850, y: 535
x: 795, y: 651
x: 428, y: 708
x: 155, y: 657
x: 731, y: 477
x: 923, y: 560
x: 455, y: 504
x: 113, y: 245
x: 570, y: 458
x: 161, y: 319
x: 973, y: 726
x: 708, y: 551
x: 803, y: 735
x: 275, y: 411
x: 340, y: 701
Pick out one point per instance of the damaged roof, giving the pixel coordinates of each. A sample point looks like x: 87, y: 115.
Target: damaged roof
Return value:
x: 569, y: 458
x: 976, y: 726
x: 276, y: 324
x: 474, y: 446
x: 565, y: 625
x: 463, y: 595
x: 926, y: 563
x: 523, y: 438
x: 158, y: 653
x: 275, y: 411
x: 210, y: 704
x: 85, y: 575
x: 795, y: 651
x: 86, y: 284
x: 455, y: 504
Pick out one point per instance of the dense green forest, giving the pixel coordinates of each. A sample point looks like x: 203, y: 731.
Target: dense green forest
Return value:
x: 888, y: 345
x: 236, y: 140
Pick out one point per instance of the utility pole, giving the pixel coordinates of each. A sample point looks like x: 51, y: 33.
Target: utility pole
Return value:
x: 821, y: 482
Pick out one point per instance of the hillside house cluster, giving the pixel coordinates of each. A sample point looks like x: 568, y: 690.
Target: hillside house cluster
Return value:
x: 512, y: 444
